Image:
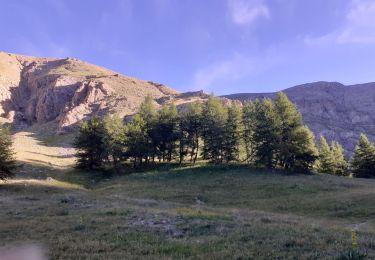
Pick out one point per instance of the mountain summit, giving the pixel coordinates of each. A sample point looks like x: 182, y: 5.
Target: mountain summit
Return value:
x: 332, y: 109
x: 66, y: 91
x: 40, y: 90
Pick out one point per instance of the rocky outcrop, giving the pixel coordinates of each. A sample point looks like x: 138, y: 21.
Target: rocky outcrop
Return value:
x: 331, y: 109
x: 40, y: 90
x: 67, y: 91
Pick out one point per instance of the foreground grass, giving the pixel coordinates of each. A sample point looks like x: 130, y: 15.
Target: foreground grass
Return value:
x: 200, y: 213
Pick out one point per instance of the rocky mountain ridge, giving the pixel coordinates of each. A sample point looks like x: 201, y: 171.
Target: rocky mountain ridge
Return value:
x: 331, y: 109
x: 35, y: 91
x: 40, y: 90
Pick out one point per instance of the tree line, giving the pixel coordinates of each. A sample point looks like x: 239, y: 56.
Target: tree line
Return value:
x: 7, y: 160
x: 263, y: 133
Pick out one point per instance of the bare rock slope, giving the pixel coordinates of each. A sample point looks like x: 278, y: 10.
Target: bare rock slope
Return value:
x: 35, y: 91
x: 332, y: 109
x: 40, y: 90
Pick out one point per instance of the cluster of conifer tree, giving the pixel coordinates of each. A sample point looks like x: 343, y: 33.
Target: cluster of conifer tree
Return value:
x: 262, y: 133
x: 7, y: 162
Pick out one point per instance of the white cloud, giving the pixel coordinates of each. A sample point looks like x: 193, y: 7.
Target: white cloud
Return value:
x: 228, y: 70
x: 244, y: 12
x: 358, y: 27
x: 235, y: 68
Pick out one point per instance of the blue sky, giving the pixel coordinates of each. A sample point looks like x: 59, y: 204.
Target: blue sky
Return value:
x: 224, y: 46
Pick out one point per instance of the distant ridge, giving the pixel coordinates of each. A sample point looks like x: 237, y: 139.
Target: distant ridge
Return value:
x: 337, y: 111
x: 35, y: 91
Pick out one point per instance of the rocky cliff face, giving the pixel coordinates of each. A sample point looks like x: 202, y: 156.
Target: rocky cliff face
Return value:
x: 336, y: 111
x: 40, y: 90
x: 66, y: 91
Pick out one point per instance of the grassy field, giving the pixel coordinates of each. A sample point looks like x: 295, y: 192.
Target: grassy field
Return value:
x: 202, y: 212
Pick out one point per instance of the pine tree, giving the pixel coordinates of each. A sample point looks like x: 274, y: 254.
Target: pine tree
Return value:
x: 7, y: 162
x: 340, y: 162
x: 326, y: 162
x: 191, y: 128
x: 90, y: 145
x: 305, y: 152
x: 114, y: 138
x: 290, y: 122
x: 147, y: 109
x: 167, y: 130
x: 233, y: 131
x: 363, y: 161
x: 332, y: 158
x: 266, y: 133
x: 137, y: 140
x: 148, y: 113
x: 213, y: 131
x: 248, y: 119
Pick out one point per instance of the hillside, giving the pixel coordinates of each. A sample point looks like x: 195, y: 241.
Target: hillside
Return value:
x: 40, y: 90
x: 62, y: 92
x: 190, y: 213
x: 337, y: 111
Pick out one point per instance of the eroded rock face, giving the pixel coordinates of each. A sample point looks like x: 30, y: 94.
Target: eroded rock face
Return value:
x: 331, y: 109
x: 67, y: 91
x: 40, y: 90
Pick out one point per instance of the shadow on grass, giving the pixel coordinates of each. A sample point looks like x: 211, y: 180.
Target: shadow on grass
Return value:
x: 53, y: 156
x: 41, y: 170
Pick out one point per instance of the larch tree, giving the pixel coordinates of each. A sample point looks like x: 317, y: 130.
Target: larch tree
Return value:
x: 331, y: 159
x: 167, y: 131
x: 266, y: 133
x: 290, y: 128
x: 91, y: 148
x: 325, y: 162
x: 340, y: 162
x: 213, y: 129
x: 304, y: 152
x: 363, y: 160
x: 7, y: 161
x: 233, y: 132
x: 114, y: 139
x: 148, y: 113
x: 191, y: 129
x: 137, y: 140
x: 248, y: 121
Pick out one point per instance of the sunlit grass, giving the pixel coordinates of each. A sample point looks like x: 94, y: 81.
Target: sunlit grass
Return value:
x: 173, y: 212
x: 44, y: 183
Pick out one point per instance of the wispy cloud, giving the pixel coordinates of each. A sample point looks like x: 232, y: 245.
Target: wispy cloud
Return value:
x: 244, y: 12
x: 229, y: 70
x: 358, y: 27
x: 234, y: 69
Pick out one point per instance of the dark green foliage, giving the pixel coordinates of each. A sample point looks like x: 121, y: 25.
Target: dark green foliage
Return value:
x: 114, y: 139
x: 7, y: 162
x: 332, y: 158
x: 304, y: 152
x: 167, y: 132
x: 148, y: 113
x: 363, y: 161
x: 213, y: 129
x: 267, y: 133
x: 137, y: 140
x: 248, y: 121
x: 233, y: 129
x: 290, y: 122
x: 190, y: 131
x: 90, y: 144
x: 326, y: 161
x: 341, y: 164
